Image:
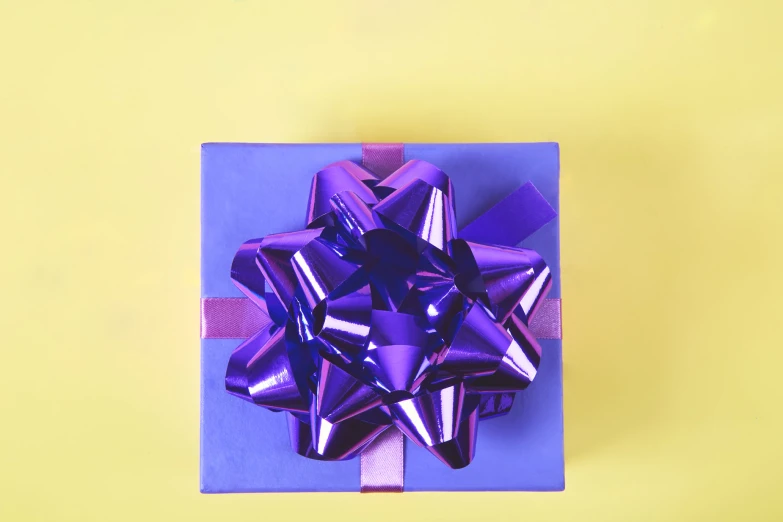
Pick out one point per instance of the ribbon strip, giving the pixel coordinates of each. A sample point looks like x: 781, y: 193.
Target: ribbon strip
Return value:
x: 382, y: 158
x: 240, y: 318
x: 383, y: 462
x: 538, y: 213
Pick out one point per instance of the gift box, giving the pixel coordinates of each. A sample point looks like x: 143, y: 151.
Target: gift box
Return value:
x: 252, y: 190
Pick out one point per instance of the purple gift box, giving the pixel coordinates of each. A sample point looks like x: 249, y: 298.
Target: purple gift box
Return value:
x: 252, y: 190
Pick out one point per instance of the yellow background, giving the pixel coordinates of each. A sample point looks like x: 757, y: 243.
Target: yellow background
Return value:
x: 670, y: 123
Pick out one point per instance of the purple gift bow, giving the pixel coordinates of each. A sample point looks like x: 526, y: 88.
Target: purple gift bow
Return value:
x: 407, y: 342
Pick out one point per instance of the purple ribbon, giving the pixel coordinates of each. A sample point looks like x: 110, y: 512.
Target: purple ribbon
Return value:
x: 240, y: 318
x: 382, y: 464
x: 381, y: 317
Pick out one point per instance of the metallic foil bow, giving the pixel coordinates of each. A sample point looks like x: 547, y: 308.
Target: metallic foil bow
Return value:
x: 381, y: 316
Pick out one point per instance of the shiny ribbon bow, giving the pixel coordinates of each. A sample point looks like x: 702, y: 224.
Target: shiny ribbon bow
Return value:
x: 382, y: 317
